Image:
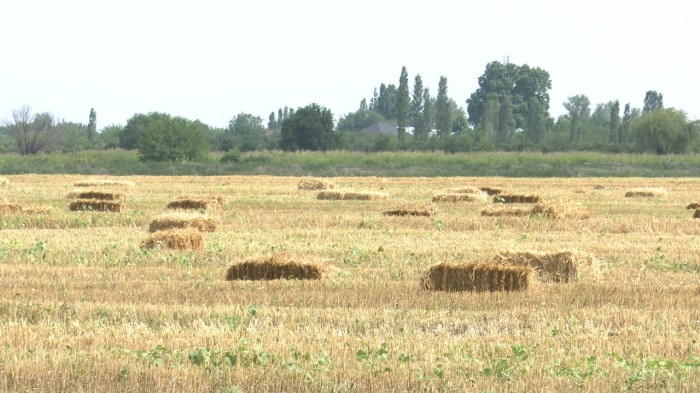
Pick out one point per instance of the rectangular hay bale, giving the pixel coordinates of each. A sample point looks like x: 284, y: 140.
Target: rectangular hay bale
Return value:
x: 275, y: 267
x: 412, y: 210
x: 558, y: 267
x: 181, y: 220
x: 476, y: 277
x: 516, y: 198
x: 506, y: 211
x: 315, y: 184
x: 650, y: 192
x: 96, y: 205
x: 101, y: 195
x: 455, y: 197
x: 175, y: 239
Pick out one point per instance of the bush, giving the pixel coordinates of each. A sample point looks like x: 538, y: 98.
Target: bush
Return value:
x: 232, y: 156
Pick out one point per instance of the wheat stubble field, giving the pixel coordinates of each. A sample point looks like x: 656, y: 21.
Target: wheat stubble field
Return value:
x: 84, y: 308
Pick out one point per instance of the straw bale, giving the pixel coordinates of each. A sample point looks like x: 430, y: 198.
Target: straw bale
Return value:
x: 453, y: 197
x: 175, y: 239
x: 275, y: 267
x: 424, y: 210
x: 491, y: 191
x: 476, y: 277
x: 697, y: 213
x: 189, y: 204
x: 564, y: 266
x: 181, y: 220
x: 96, y: 205
x: 646, y: 193
x: 101, y: 195
x: 10, y: 208
x: 693, y: 206
x: 506, y: 211
x: 465, y: 190
x: 517, y: 198
x: 352, y: 195
x: 315, y: 184
x: 95, y: 182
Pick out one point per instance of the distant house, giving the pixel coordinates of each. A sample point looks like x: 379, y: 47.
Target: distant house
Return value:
x: 380, y: 128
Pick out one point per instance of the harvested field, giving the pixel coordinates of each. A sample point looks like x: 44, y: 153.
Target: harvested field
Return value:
x: 79, y: 294
x: 96, y: 205
x: 180, y: 220
x: 4, y: 181
x: 651, y: 192
x: 315, y: 184
x: 560, y: 267
x: 423, y: 210
x: 96, y: 194
x: 506, y: 211
x: 352, y: 195
x: 517, y: 198
x: 175, y: 239
x: 476, y: 277
x: 275, y: 267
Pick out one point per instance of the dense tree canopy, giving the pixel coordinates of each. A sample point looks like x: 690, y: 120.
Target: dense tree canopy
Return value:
x: 663, y: 131
x: 309, y: 128
x: 168, y: 138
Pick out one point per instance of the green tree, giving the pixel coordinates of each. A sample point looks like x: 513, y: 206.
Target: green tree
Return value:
x: 309, y: 128
x: 92, y: 126
x: 428, y: 105
x: 108, y: 138
x: 628, y: 116
x: 136, y: 126
x: 663, y: 131
x: 271, y: 122
x: 579, y: 107
x: 420, y: 127
x: 363, y: 105
x: 245, y: 132
x: 72, y: 137
x: 506, y: 121
x: 33, y: 133
x: 443, y: 113
x: 280, y: 118
x: 526, y: 87
x: 653, y: 100
x: 615, y: 123
x: 172, y: 139
x: 402, y: 104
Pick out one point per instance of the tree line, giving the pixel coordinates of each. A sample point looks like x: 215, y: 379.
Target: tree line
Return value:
x: 509, y: 111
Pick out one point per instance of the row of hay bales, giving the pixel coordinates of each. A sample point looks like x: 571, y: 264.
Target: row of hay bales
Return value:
x: 98, y: 195
x: 509, y: 271
x: 179, y: 228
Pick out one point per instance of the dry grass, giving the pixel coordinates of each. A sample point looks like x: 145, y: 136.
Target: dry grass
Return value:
x: 315, y: 184
x: 101, y: 195
x: 564, y: 266
x: 466, y: 190
x: 175, y: 239
x: 517, y: 198
x: 95, y: 182
x: 181, y: 220
x: 4, y: 181
x: 412, y: 209
x: 38, y: 209
x: 506, y: 211
x: 96, y: 205
x: 352, y: 195
x: 275, y: 267
x: 650, y: 192
x: 476, y: 277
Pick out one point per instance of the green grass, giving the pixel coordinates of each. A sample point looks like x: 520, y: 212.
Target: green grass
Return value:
x: 342, y: 163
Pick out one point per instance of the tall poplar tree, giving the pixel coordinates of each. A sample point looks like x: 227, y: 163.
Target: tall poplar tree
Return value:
x: 443, y: 114
x: 402, y: 104
x: 417, y: 107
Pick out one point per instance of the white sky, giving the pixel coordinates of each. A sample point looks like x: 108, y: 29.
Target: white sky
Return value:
x: 211, y: 60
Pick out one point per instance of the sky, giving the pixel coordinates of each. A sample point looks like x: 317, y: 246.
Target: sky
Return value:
x: 210, y: 60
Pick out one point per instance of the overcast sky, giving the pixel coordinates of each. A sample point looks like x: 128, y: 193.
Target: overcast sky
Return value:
x: 210, y: 60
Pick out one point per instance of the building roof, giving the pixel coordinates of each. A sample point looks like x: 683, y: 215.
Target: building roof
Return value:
x: 380, y: 128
